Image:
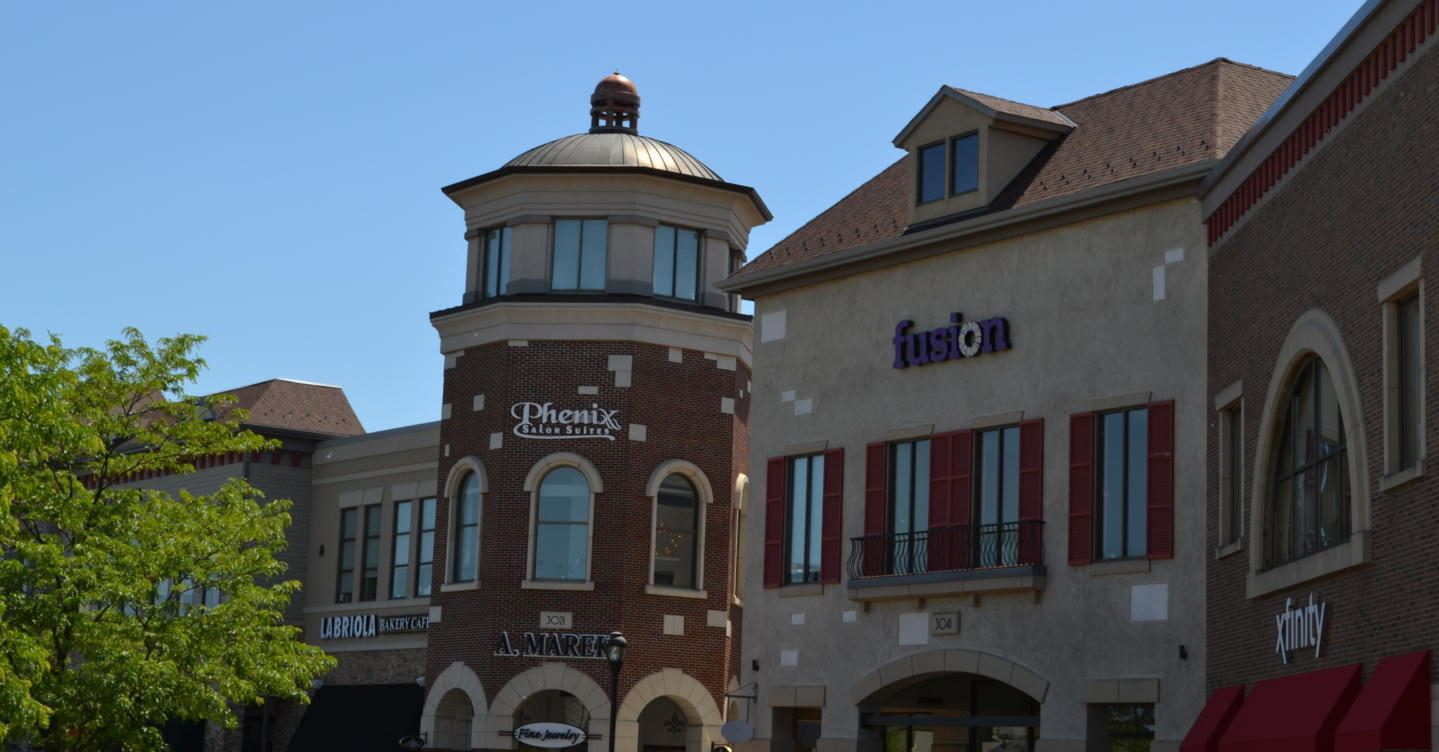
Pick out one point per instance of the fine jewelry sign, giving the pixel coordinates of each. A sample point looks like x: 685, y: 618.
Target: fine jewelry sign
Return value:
x: 551, y: 735
x: 542, y: 420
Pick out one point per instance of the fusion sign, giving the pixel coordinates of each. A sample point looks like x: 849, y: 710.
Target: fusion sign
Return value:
x: 540, y: 420
x: 961, y: 339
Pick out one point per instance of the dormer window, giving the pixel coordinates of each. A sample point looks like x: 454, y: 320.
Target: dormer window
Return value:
x: 964, y: 164
x: 931, y: 173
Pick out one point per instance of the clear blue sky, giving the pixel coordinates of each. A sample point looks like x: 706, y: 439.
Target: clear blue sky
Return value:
x: 268, y: 173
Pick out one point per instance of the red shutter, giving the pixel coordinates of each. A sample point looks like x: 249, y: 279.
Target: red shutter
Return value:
x: 1081, y: 488
x: 876, y: 507
x: 1160, y: 513
x: 1031, y: 492
x: 831, y: 530
x: 951, y: 459
x: 774, y: 522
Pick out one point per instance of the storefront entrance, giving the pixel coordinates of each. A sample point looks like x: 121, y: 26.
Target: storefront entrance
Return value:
x: 952, y: 712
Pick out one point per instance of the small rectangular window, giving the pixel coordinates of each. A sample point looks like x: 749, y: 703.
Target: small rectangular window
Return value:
x: 1128, y: 728
x: 964, y: 164
x: 425, y: 558
x: 400, y: 549
x: 1123, y: 474
x: 803, y: 513
x: 676, y: 263
x: 497, y: 261
x: 349, y: 530
x: 370, y: 581
x: 1411, y: 379
x: 931, y: 173
x: 1231, y: 475
x: 579, y: 254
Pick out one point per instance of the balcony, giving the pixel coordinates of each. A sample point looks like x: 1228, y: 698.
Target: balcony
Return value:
x: 948, y: 561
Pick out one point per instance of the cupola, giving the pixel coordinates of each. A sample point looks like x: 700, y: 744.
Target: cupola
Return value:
x: 615, y: 106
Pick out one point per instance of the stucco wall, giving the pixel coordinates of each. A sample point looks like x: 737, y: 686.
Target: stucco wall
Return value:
x: 1085, y: 325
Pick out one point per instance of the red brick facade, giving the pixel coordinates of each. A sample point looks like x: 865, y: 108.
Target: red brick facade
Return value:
x: 1360, y: 208
x: 679, y: 404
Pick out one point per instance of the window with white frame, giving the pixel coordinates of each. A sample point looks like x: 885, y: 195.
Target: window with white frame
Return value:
x: 1404, y: 381
x: 1309, y: 493
x: 412, y: 548
x: 562, y: 526
x: 1231, y: 474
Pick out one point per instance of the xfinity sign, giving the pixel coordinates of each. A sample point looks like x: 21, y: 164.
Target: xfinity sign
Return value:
x: 1301, y: 627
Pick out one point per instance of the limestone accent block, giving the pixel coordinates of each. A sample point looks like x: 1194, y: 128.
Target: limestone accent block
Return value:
x: 961, y: 660
x: 727, y: 405
x: 622, y: 379
x: 994, y: 667
x: 893, y: 672
x: 781, y: 697
x: 804, y: 406
x: 589, y: 390
x: 715, y: 619
x: 519, y: 343
x: 772, y: 326
x: 786, y: 396
x: 929, y: 662
x: 809, y: 697
x: 674, y: 624
x: 435, y: 614
x: 789, y: 657
x: 452, y: 359
x: 497, y: 440
x: 865, y: 687
x: 725, y: 363
x: 445, y: 411
x: 638, y: 432
x: 1030, y: 683
x: 677, y: 355
x: 478, y: 403
x: 1138, y: 690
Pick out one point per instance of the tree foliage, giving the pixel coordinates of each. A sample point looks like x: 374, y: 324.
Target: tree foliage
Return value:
x: 109, y: 621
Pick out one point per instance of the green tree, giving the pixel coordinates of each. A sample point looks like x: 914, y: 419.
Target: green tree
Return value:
x: 122, y: 608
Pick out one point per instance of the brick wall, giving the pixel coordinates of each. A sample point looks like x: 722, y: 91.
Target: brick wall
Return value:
x: 679, y: 403
x: 1360, y: 209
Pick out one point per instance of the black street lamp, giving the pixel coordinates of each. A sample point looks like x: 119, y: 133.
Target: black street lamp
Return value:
x: 615, y: 655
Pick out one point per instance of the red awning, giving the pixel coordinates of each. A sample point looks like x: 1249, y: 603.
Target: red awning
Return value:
x: 1213, y: 720
x: 1293, y: 713
x: 1392, y: 711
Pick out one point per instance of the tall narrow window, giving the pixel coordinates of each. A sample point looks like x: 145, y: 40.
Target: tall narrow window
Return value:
x: 562, y: 526
x: 579, y: 257
x: 1410, y: 333
x: 497, y: 261
x: 931, y: 173
x: 1123, y: 480
x: 400, y: 549
x: 997, y: 485
x: 964, y: 164
x: 677, y: 262
x: 1231, y: 475
x: 804, y: 511
x: 467, y: 530
x: 909, y: 506
x: 676, y: 533
x: 425, y: 557
x: 349, y: 541
x: 370, y: 581
x: 1309, y: 496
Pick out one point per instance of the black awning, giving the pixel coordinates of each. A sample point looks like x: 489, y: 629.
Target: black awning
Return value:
x: 360, y: 718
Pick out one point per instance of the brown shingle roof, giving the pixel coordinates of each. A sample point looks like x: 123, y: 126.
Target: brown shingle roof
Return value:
x: 298, y: 406
x: 1182, y: 118
x: 1011, y: 107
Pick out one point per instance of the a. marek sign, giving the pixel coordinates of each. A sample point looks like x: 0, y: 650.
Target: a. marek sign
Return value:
x: 961, y: 339
x: 1301, y: 627
x: 551, y: 735
x: 557, y: 644
x: 542, y: 420
x: 371, y: 625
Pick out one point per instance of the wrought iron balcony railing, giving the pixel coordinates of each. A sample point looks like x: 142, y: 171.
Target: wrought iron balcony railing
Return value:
x: 954, y: 548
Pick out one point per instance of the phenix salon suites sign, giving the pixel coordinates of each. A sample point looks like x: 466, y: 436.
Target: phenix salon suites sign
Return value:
x: 961, y: 339
x: 542, y: 420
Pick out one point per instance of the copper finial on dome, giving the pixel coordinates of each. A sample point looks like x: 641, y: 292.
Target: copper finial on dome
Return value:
x: 615, y: 106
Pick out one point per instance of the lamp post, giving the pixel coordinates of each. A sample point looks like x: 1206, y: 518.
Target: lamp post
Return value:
x: 615, y: 656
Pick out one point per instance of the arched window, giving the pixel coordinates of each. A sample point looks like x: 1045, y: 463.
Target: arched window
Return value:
x: 676, y: 533
x: 562, y: 526
x: 466, y: 514
x: 1309, y: 489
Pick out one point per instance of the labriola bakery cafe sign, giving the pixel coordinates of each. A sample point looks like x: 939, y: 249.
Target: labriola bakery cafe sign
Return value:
x: 548, y: 420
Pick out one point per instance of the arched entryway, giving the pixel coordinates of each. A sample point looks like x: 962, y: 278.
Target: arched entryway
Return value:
x: 666, y: 711
x: 965, y: 702
x: 552, y: 706
x: 454, y: 719
x: 454, y: 713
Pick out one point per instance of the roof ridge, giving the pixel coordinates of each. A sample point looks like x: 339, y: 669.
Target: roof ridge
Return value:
x: 1215, y: 62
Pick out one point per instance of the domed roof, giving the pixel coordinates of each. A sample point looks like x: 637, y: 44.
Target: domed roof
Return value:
x: 614, y: 150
